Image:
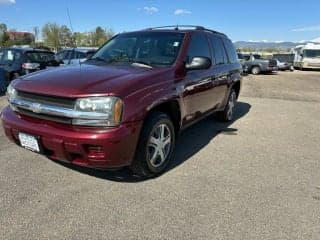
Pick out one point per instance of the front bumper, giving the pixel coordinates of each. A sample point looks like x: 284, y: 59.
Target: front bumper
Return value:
x: 97, y: 148
x: 271, y: 69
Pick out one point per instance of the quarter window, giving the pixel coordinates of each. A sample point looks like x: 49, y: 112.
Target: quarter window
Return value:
x: 218, y: 50
x: 232, y: 55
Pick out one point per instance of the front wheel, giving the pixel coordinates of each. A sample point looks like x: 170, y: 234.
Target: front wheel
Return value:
x: 227, y: 114
x: 155, y: 146
x: 255, y: 70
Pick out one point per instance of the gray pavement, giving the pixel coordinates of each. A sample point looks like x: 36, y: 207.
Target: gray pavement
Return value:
x: 257, y: 178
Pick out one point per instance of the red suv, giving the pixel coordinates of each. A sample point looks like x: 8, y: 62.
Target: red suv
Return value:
x: 125, y: 105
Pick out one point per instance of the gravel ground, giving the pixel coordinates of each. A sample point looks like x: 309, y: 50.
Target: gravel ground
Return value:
x: 257, y: 178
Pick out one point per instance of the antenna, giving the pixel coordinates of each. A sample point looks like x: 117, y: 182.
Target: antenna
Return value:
x: 69, y: 19
x: 72, y: 39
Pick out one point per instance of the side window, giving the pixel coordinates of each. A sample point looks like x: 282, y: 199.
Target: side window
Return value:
x: 18, y: 56
x: 232, y: 55
x: 198, y: 47
x: 218, y: 50
x: 81, y: 55
x: 72, y: 54
x: 246, y: 57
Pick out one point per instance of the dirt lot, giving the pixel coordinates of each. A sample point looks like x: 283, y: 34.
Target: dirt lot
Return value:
x: 257, y: 178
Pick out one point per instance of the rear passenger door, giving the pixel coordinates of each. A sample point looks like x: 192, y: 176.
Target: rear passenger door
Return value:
x: 198, y: 97
x: 220, y: 69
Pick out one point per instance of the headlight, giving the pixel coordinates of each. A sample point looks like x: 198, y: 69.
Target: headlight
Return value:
x: 110, y: 107
x: 11, y: 93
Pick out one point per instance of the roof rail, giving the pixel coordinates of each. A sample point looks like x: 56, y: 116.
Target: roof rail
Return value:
x: 178, y: 27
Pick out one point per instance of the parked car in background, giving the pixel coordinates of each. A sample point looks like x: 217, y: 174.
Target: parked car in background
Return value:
x: 3, y: 80
x: 126, y: 105
x: 256, y: 64
x: 242, y: 62
x: 284, y: 66
x: 20, y: 61
x: 74, y: 55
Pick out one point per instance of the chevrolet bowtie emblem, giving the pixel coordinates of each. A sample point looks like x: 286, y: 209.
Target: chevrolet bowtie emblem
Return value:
x: 35, y: 107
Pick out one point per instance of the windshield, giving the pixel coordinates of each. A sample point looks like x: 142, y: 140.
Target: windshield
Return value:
x: 151, y: 48
x: 312, y: 53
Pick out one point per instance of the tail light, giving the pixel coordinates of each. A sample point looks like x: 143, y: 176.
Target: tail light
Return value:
x: 30, y: 66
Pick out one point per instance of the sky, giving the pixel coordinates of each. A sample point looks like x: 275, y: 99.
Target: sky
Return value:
x: 248, y: 20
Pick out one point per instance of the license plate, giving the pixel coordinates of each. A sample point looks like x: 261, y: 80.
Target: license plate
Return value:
x: 29, y: 142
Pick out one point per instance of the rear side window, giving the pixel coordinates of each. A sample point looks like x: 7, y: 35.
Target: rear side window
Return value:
x: 231, y: 52
x: 219, y: 52
x: 198, y: 47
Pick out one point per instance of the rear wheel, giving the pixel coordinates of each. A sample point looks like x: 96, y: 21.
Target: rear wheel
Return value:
x: 155, y: 146
x: 255, y: 70
x: 227, y: 114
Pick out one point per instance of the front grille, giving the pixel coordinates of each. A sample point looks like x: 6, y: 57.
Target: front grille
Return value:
x: 62, y: 102
x: 46, y: 99
x: 44, y: 116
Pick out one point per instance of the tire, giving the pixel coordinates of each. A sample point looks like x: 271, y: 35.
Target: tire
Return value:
x: 255, y: 70
x: 15, y: 76
x: 227, y: 115
x: 155, y: 146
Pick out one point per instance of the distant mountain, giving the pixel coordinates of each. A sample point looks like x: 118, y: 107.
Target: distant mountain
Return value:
x: 317, y: 40
x: 266, y: 44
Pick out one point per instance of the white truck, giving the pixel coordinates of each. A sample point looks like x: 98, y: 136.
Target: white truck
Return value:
x: 307, y: 56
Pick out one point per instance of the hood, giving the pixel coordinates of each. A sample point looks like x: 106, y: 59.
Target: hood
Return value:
x: 82, y: 80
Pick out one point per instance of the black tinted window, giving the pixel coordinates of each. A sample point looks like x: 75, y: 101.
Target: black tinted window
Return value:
x: 232, y: 55
x: 198, y: 47
x: 218, y: 50
x: 246, y: 57
x: 80, y: 55
x: 40, y: 56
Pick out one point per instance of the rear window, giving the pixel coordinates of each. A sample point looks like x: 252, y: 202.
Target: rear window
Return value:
x: 7, y: 56
x: 40, y: 56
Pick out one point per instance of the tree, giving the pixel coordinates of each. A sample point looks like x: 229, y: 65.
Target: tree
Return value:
x: 66, y: 37
x: 4, y: 37
x: 51, y: 35
x: 36, y: 33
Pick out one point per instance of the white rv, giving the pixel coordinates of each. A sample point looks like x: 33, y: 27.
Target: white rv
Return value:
x: 307, y: 56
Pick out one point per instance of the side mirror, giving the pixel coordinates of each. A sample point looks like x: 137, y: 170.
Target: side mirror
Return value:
x: 198, y: 63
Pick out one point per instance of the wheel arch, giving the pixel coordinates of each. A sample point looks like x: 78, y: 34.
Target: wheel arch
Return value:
x: 170, y: 107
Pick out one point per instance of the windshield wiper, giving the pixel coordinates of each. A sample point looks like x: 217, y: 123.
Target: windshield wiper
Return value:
x: 140, y: 63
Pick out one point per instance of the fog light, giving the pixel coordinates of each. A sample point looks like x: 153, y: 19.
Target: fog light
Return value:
x: 95, y: 152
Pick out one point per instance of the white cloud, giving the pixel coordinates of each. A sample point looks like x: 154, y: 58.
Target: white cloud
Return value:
x: 149, y: 10
x: 7, y: 1
x: 181, y: 12
x: 307, y: 29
